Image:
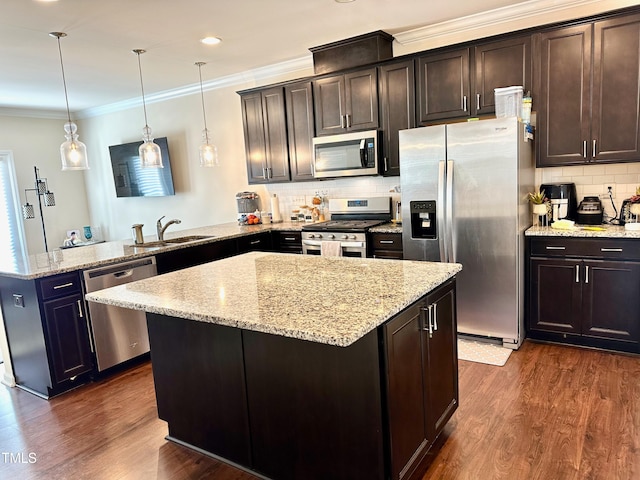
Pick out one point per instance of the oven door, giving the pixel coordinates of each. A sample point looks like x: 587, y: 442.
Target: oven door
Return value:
x: 349, y: 249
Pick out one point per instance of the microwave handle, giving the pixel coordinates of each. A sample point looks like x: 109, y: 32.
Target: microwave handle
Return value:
x: 364, y: 153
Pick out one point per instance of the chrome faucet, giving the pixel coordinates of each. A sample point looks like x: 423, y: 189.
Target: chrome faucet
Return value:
x: 160, y: 229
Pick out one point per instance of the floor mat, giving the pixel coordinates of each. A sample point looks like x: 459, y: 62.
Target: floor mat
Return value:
x: 482, y: 352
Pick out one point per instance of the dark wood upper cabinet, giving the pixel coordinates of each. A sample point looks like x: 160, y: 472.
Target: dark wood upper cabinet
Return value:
x: 300, y: 129
x: 345, y: 103
x: 615, y: 116
x: 563, y: 100
x: 397, y: 110
x: 500, y: 64
x: 589, y: 93
x: 443, y: 86
x: 265, y: 135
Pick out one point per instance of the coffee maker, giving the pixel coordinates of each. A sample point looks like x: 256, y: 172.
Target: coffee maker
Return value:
x: 562, y: 197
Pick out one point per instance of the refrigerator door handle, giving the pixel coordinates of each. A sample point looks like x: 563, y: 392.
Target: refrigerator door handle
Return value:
x: 449, y: 215
x: 440, y: 213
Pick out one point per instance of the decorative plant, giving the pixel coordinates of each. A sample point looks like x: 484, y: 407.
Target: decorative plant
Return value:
x: 537, y: 198
x: 635, y: 198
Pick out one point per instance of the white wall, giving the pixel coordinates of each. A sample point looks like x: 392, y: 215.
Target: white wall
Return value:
x: 36, y: 142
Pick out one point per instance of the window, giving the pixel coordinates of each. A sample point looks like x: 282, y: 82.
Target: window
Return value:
x: 12, y: 246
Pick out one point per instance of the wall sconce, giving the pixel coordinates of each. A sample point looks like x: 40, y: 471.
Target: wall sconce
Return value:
x: 208, y: 151
x: 73, y: 152
x: 150, y: 154
x: 42, y: 191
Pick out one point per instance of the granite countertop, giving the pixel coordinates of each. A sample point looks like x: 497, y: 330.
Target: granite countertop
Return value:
x: 609, y: 231
x: 90, y: 256
x: 390, y: 227
x: 300, y: 296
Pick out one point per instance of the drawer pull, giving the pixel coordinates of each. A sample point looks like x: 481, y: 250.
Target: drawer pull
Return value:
x: 64, y: 285
x: 290, y: 239
x: 555, y: 248
x: 577, y: 273
x: 610, y: 249
x: 387, y: 241
x: 255, y: 242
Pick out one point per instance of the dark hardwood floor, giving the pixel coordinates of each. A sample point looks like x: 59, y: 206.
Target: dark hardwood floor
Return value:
x: 552, y: 412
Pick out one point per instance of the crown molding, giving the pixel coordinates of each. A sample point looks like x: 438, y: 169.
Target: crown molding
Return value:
x: 255, y: 75
x: 33, y: 113
x: 526, y: 10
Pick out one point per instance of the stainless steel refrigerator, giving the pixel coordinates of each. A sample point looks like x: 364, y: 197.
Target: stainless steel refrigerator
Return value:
x: 464, y: 199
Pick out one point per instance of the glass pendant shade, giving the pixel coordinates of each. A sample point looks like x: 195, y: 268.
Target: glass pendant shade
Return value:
x: 73, y: 152
x: 27, y: 211
x: 208, y: 152
x: 150, y: 154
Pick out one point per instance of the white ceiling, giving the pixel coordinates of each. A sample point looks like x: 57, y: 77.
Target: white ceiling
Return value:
x: 100, y: 68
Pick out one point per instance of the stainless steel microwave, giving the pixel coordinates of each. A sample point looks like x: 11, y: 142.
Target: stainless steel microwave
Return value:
x: 346, y: 154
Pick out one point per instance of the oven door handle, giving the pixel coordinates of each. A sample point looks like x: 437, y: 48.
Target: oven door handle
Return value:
x: 318, y: 243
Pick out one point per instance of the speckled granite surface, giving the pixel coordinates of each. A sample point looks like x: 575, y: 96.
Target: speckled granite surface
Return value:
x: 387, y: 228
x: 300, y: 296
x: 78, y: 258
x: 610, y: 231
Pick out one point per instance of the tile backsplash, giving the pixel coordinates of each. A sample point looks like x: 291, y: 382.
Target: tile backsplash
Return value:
x: 593, y: 180
x: 292, y: 195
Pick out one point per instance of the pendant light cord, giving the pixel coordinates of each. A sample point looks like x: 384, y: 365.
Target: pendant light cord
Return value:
x: 64, y: 81
x: 144, y: 106
x: 204, y: 115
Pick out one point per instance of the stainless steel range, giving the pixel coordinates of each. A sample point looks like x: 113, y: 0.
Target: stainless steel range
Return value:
x: 351, y: 218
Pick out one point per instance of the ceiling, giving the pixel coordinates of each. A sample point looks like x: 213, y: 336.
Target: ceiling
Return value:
x: 101, y: 69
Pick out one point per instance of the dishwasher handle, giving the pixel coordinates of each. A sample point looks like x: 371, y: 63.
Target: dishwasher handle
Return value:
x: 124, y: 273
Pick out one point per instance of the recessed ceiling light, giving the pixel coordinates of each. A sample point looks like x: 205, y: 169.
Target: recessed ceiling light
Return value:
x: 345, y: 1
x: 210, y: 40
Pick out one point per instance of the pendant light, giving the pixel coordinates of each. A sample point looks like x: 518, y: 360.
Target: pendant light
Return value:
x: 150, y: 154
x: 73, y: 152
x: 208, y: 151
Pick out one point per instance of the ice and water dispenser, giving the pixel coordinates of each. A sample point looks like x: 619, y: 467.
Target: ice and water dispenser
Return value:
x: 423, y: 219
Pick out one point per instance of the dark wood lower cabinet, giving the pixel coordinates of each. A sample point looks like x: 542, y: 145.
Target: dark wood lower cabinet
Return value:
x: 292, y: 409
x: 46, y: 325
x: 576, y: 297
x: 422, y: 377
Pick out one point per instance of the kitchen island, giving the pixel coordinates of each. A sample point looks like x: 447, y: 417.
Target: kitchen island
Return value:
x: 308, y: 367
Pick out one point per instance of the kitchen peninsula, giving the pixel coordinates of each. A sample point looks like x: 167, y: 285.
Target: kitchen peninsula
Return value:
x: 295, y: 366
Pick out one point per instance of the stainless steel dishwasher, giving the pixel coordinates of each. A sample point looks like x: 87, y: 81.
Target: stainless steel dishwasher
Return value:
x: 119, y: 334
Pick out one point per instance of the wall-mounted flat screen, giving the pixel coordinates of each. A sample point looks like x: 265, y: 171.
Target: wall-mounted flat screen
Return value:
x: 131, y: 180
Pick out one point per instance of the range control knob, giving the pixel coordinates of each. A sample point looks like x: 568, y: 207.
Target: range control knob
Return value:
x: 332, y: 236
x: 353, y: 237
x: 345, y: 237
x: 319, y: 235
x: 311, y: 235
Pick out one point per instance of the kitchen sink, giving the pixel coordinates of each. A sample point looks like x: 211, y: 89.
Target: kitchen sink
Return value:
x: 188, y: 238
x: 172, y: 241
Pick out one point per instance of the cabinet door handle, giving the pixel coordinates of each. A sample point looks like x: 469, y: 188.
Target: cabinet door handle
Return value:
x: 264, y: 173
x: 555, y: 248
x: 610, y: 249
x: 427, y: 326
x: 386, y: 165
x: 584, y: 149
x: 464, y: 103
x: 435, y: 317
x: 586, y: 274
x: 594, y: 149
x: 577, y: 273
x: 80, y: 309
x: 342, y: 121
x: 387, y: 241
x: 477, y: 101
x: 348, y: 120
x: 64, y: 285
x: 269, y: 172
